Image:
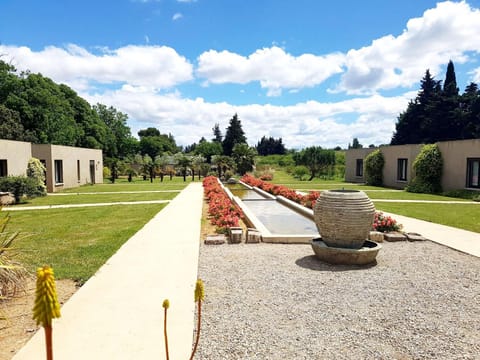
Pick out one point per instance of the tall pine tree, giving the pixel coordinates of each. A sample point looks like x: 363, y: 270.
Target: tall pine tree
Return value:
x: 234, y: 135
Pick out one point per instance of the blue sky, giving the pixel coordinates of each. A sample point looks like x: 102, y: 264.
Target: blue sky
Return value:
x: 311, y: 72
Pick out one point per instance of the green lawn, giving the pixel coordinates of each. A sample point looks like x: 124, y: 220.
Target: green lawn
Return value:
x: 98, y: 198
x: 77, y: 241
x: 176, y: 183
x: 456, y: 215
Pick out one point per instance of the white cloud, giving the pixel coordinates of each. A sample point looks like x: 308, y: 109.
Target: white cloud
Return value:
x: 476, y: 75
x: 177, y: 16
x: 448, y: 31
x: 158, y: 67
x: 272, y: 67
x: 300, y: 125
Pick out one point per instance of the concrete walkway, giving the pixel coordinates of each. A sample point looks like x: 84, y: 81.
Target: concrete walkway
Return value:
x: 458, y: 239
x: 118, y: 313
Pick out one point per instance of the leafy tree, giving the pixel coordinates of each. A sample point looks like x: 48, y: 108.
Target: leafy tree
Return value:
x: 374, y: 163
x: 184, y: 161
x: 196, y: 165
x: 153, y: 143
x: 300, y: 172
x: 470, y: 112
x: 217, y: 134
x: 316, y: 159
x: 162, y: 162
x: 244, y: 158
x: 270, y: 146
x: 147, y: 166
x: 355, y: 144
x: 223, y: 163
x: 234, y: 135
x: 208, y: 149
x: 119, y: 141
x: 439, y: 114
x: 151, y: 131
x: 11, y: 127
x: 450, y: 85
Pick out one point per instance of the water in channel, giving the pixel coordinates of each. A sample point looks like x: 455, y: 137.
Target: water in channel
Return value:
x: 277, y: 218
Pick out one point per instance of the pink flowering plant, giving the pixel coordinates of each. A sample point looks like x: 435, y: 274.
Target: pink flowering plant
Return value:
x: 383, y: 223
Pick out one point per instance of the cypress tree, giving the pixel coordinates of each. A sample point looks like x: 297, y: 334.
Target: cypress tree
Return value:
x: 234, y: 135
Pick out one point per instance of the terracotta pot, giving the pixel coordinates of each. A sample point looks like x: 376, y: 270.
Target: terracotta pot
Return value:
x: 344, y: 218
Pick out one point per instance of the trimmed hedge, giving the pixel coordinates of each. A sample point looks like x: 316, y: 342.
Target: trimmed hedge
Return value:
x: 428, y: 167
x: 374, y: 163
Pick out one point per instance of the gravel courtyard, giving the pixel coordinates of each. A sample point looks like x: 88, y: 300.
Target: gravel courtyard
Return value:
x: 271, y: 301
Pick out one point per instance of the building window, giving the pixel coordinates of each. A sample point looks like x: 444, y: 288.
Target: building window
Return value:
x: 359, y: 168
x: 78, y: 170
x: 58, y: 172
x: 402, y: 166
x: 473, y: 173
x: 3, y: 168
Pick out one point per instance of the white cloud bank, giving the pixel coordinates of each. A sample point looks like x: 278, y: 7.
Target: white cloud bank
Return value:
x: 299, y: 125
x: 158, y: 67
x: 447, y: 32
x: 272, y: 67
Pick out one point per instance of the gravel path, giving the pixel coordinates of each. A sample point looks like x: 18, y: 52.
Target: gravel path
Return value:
x: 272, y: 301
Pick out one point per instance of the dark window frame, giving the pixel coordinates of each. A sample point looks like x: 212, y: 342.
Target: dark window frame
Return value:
x: 402, y: 169
x: 3, y: 167
x: 58, y: 167
x: 471, y: 174
x: 359, y: 168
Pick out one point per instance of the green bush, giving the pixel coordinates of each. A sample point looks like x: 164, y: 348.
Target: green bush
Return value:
x: 106, y: 172
x: 36, y: 171
x: 374, y: 163
x: 19, y: 186
x: 428, y: 167
x: 300, y: 172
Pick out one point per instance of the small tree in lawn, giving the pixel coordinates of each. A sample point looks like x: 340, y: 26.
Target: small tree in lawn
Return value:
x: 183, y: 162
x: 244, y: 157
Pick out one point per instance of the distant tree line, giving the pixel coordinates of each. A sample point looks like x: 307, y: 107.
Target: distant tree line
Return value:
x: 440, y: 113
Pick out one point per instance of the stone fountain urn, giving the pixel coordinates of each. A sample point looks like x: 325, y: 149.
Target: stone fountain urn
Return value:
x: 344, y: 219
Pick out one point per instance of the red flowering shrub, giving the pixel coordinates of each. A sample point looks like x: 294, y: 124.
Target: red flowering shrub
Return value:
x: 310, y: 199
x: 223, y: 213
x: 306, y: 200
x: 384, y: 223
x: 266, y: 176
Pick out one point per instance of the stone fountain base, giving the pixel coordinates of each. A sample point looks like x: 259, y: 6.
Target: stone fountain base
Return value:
x: 333, y: 255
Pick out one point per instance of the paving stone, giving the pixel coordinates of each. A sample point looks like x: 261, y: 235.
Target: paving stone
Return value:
x: 253, y: 236
x: 215, y: 240
x: 414, y: 237
x: 236, y: 235
x: 376, y: 236
x: 394, y: 236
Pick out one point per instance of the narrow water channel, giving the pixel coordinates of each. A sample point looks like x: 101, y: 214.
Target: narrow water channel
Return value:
x: 277, y: 218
